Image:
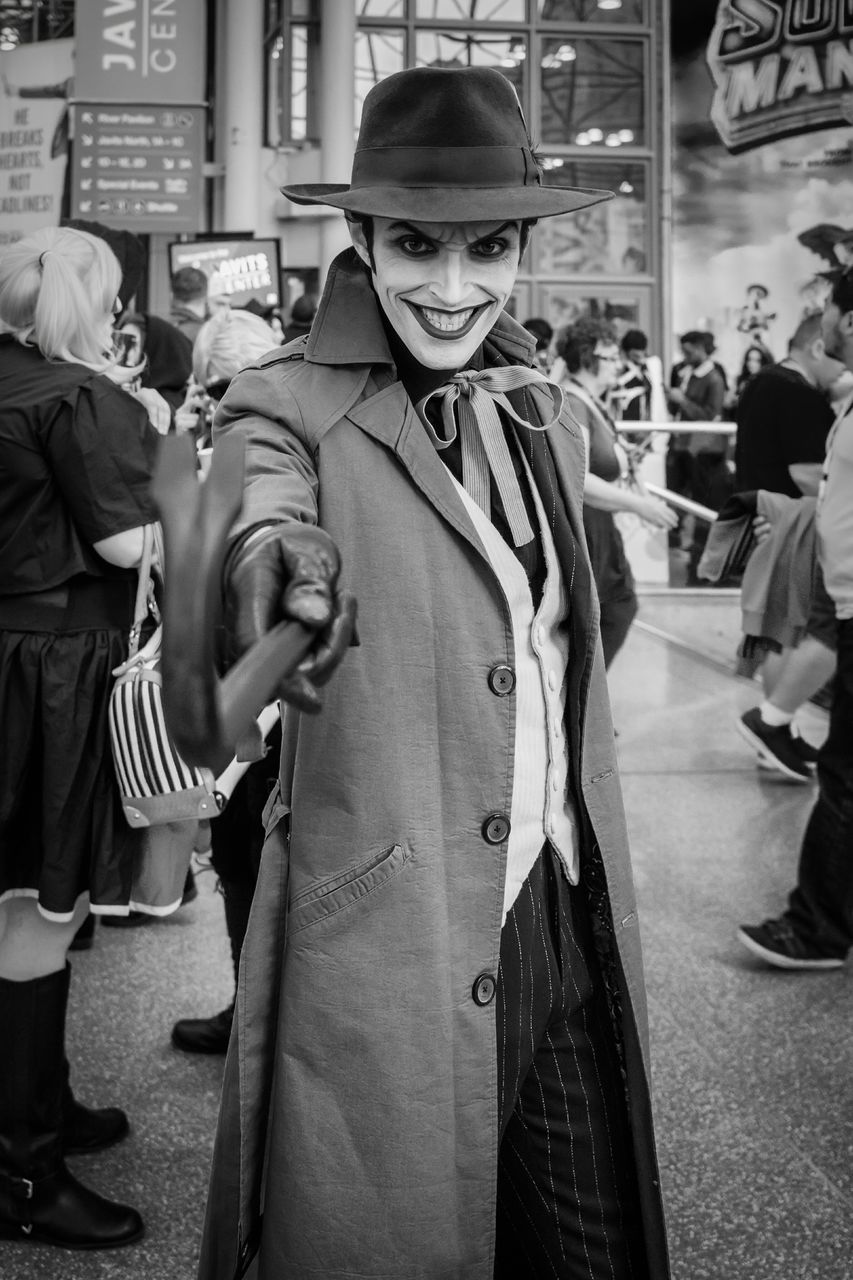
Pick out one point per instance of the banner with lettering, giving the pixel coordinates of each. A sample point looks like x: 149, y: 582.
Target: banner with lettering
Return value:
x: 35, y: 82
x: 762, y: 179
x: 141, y: 51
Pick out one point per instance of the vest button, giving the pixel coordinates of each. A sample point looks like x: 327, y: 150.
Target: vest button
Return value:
x: 501, y: 681
x: 484, y: 989
x: 496, y: 828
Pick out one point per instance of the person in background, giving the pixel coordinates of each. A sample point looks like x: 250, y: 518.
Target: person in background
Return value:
x: 302, y: 315
x: 460, y: 1078
x: 543, y: 333
x: 638, y: 394
x: 225, y: 344
x: 816, y: 929
x: 164, y: 352
x: 588, y: 363
x: 189, y: 304
x: 783, y: 419
x: 267, y: 312
x: 755, y: 358
x: 696, y: 462
x: 77, y: 455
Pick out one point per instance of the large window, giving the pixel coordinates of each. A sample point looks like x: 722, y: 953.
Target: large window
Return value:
x: 585, y: 72
x: 610, y: 11
x: 592, y: 91
x: 28, y: 21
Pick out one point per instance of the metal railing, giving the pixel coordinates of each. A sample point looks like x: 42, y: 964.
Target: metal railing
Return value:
x: 636, y: 453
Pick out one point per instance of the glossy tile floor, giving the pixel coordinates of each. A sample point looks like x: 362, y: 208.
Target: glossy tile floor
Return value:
x: 753, y: 1069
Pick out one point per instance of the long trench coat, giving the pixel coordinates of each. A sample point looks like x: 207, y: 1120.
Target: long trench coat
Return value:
x: 358, y: 1133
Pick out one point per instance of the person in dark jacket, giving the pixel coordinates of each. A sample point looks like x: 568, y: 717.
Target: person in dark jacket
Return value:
x: 76, y: 456
x: 783, y: 420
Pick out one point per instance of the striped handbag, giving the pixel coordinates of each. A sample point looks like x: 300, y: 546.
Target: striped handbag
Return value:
x: 156, y: 786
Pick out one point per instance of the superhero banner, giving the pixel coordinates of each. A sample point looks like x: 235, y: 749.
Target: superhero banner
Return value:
x: 762, y: 166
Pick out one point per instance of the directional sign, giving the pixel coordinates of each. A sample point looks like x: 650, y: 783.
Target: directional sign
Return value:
x: 140, y: 50
x: 139, y: 167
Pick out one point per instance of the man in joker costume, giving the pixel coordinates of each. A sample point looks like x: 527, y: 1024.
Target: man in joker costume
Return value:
x: 438, y: 1069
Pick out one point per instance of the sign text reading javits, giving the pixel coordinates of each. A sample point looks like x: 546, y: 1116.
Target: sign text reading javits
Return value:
x: 140, y: 36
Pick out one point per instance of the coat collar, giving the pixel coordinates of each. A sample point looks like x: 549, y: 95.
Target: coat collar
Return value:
x: 336, y: 338
x: 348, y: 331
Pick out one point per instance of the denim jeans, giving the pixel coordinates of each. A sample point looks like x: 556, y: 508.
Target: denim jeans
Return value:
x: 821, y: 906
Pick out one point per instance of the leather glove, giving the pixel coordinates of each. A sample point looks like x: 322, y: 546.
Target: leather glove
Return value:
x: 290, y: 571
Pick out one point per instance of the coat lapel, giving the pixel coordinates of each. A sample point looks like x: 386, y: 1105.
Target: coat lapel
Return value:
x: 558, y: 458
x: 389, y: 417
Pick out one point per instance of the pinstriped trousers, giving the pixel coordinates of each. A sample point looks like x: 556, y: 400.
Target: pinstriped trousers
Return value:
x: 567, y: 1200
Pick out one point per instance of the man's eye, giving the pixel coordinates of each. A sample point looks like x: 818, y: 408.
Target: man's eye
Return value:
x: 490, y: 248
x: 414, y: 246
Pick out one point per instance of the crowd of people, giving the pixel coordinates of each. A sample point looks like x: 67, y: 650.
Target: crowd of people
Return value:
x: 450, y: 823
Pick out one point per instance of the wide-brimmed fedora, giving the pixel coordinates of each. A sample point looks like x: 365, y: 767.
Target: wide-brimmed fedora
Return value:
x: 445, y: 145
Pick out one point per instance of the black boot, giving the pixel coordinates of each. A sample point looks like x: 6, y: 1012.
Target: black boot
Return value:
x: 211, y: 1035
x: 39, y: 1198
x: 204, y: 1035
x: 86, y: 1129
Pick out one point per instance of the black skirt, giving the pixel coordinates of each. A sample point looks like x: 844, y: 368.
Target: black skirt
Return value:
x: 62, y: 832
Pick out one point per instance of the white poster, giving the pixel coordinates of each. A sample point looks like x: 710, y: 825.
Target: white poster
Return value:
x: 35, y: 86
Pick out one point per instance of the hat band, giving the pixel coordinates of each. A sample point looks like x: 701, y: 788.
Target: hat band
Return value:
x: 444, y: 167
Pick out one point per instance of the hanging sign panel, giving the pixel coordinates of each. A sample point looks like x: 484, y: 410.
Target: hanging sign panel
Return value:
x: 762, y: 161
x: 139, y: 167
x: 781, y: 68
x: 141, y: 50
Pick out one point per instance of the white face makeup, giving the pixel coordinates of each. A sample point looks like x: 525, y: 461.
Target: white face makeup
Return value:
x: 442, y: 285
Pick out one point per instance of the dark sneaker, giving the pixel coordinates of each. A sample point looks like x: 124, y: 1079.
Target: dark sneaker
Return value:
x: 776, y: 745
x: 807, y: 753
x: 776, y: 943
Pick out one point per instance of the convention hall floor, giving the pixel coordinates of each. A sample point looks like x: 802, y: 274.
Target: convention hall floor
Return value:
x: 753, y: 1069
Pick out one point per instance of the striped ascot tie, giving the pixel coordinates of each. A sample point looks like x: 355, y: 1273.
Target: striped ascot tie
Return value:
x: 469, y: 407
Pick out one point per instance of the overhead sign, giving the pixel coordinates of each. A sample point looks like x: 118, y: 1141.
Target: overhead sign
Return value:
x: 139, y: 167
x: 237, y: 270
x: 140, y: 50
x: 781, y: 68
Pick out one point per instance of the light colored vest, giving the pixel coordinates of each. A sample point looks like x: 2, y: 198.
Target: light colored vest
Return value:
x: 541, y: 806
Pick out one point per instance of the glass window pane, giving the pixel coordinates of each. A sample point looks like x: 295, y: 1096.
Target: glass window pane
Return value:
x: 611, y: 238
x: 474, y: 49
x: 565, y: 303
x: 303, y: 70
x: 379, y: 52
x: 298, y: 83
x: 592, y: 10
x: 276, y: 115
x: 592, y: 92
x: 472, y: 10
x: 380, y: 8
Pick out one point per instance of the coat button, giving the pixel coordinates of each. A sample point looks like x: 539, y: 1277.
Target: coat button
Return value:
x: 501, y: 681
x: 484, y: 989
x: 495, y: 828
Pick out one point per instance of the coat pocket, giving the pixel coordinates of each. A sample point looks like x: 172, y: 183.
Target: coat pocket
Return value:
x: 347, y: 888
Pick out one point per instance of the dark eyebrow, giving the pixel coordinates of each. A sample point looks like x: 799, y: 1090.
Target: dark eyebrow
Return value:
x: 498, y: 231
x: 407, y: 226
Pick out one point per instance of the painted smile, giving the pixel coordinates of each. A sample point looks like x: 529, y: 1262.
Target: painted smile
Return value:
x: 447, y: 325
